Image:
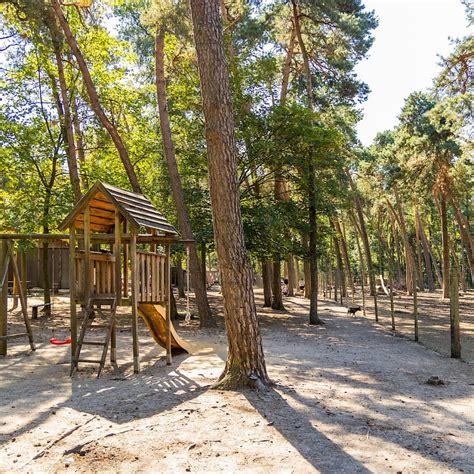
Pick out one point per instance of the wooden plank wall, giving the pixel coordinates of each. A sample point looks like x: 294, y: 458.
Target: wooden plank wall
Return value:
x: 102, y: 273
x: 151, y: 275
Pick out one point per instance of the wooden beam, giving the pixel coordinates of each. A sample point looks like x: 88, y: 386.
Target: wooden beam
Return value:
x: 105, y: 205
x: 134, y: 278
x: 3, y: 297
x: 104, y: 221
x: 118, y: 262
x: 126, y: 248
x: 22, y: 295
x: 87, y: 254
x: 168, y: 305
x: 72, y: 290
x: 101, y: 237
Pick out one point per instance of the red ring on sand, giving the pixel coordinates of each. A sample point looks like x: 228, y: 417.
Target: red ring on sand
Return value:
x: 56, y: 342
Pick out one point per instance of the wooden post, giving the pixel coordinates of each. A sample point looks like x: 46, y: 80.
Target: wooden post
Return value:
x: 118, y: 262
x: 72, y: 289
x: 126, y: 248
x: 153, y: 245
x: 134, y: 275
x: 390, y: 282
x: 22, y: 295
x: 24, y: 276
x: 415, y: 301
x: 118, y: 285
x: 3, y: 296
x: 87, y: 254
x: 454, y: 314
x: 15, y: 290
x: 168, y: 304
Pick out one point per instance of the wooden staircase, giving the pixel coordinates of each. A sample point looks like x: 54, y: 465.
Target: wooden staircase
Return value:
x: 95, y: 306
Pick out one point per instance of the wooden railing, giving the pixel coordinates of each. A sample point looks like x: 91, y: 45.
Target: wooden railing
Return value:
x: 152, y: 277
x: 102, y: 273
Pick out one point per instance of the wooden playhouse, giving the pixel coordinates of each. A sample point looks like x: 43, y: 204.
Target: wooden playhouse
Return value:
x: 119, y: 251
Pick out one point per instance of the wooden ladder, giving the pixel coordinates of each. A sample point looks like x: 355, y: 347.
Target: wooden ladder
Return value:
x: 94, y: 305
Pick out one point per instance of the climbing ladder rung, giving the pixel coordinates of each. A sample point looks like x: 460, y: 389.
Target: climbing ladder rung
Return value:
x: 88, y: 324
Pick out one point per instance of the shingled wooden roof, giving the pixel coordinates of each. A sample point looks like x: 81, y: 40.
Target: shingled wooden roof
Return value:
x: 104, y: 199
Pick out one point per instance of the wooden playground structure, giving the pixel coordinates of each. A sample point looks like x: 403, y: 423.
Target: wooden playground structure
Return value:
x: 111, y: 264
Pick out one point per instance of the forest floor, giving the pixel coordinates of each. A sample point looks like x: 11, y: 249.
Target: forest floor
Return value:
x: 349, y: 396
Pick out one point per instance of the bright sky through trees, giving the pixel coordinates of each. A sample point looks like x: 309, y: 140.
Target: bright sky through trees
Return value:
x: 408, y: 41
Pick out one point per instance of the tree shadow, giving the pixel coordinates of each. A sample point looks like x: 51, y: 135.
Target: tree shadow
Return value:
x: 314, y: 446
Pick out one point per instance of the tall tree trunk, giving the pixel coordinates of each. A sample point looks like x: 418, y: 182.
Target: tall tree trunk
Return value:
x: 287, y: 66
x: 291, y: 276
x: 409, y: 258
x: 363, y: 233
x: 445, y: 235
x: 311, y: 193
x: 203, y: 263
x: 66, y: 119
x: 45, y: 254
x: 277, y: 295
x: 245, y: 365
x: 79, y: 143
x: 279, y: 190
x: 420, y: 278
x: 94, y: 97
x: 197, y: 276
x: 340, y: 268
x: 454, y: 315
x: 180, y: 276
x: 345, y: 255
x: 361, y: 260
x: 426, y: 253
x: 396, y: 240
x: 466, y: 236
x: 267, y: 283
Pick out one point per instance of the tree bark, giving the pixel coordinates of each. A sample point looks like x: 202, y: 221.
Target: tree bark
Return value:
x: 277, y: 297
x: 363, y: 233
x: 409, y: 258
x: 267, y: 283
x: 280, y: 190
x: 426, y: 253
x: 66, y: 118
x: 420, y: 278
x: 345, y: 255
x: 45, y: 254
x: 245, y: 365
x: 466, y: 236
x: 197, y: 277
x: 180, y: 276
x: 311, y: 193
x: 94, y: 97
x: 454, y: 315
x: 445, y: 236
x: 361, y: 259
x: 340, y: 266
x: 79, y: 143
x: 291, y: 276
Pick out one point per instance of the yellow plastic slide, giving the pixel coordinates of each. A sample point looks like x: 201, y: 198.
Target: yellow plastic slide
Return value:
x: 154, y: 316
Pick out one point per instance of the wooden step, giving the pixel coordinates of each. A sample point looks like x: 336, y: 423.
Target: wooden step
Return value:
x: 12, y: 336
x: 93, y: 343
x: 90, y: 361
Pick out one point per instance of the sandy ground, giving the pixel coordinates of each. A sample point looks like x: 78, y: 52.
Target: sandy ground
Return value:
x: 350, y: 396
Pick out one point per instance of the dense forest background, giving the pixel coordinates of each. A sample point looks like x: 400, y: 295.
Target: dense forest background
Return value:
x: 110, y: 91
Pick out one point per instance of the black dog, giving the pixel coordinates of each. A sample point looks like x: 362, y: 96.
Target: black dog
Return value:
x: 353, y: 310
